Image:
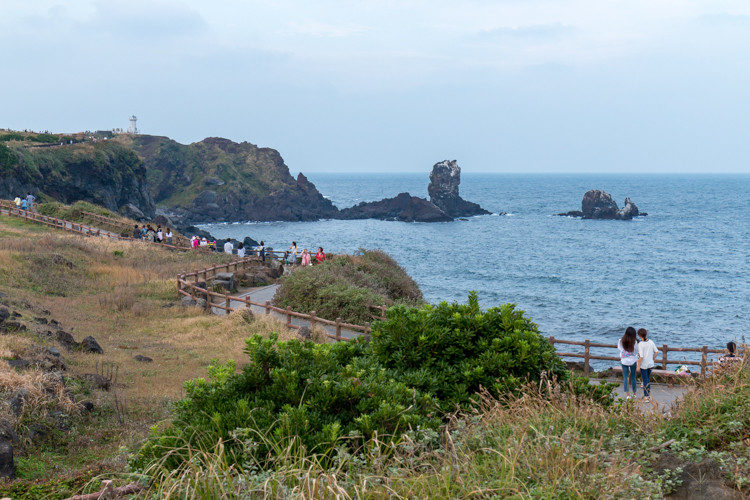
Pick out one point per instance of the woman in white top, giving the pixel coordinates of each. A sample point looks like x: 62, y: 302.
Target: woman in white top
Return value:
x: 628, y: 358
x: 240, y: 250
x: 293, y: 253
x: 647, y: 352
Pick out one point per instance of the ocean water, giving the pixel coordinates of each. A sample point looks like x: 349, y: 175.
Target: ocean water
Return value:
x: 682, y: 272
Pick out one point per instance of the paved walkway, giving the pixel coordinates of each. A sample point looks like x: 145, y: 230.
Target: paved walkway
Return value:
x: 663, y: 396
x: 266, y: 293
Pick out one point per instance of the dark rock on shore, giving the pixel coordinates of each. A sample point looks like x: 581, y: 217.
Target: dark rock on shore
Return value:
x: 597, y: 204
x: 403, y: 207
x: 443, y: 190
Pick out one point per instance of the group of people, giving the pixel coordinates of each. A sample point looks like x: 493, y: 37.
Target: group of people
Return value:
x: 639, y: 356
x: 215, y: 246
x: 306, y: 258
x: 148, y: 233
x: 26, y: 203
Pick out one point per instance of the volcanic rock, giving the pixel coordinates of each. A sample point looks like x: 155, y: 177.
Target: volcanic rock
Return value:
x: 132, y: 212
x: 597, y: 204
x: 443, y: 190
x: 89, y: 344
x: 404, y: 207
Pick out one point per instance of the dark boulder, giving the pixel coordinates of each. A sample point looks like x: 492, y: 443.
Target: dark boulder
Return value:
x: 18, y: 364
x: 597, y: 204
x: 404, y: 207
x: 142, y: 359
x: 7, y: 465
x: 443, y: 190
x: 249, y: 243
x: 89, y: 344
x: 4, y: 314
x: 132, y: 212
x: 66, y: 340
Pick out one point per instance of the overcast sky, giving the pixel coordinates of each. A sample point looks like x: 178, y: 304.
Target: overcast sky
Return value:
x: 385, y: 85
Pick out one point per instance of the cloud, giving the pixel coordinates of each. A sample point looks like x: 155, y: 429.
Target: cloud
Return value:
x: 538, y: 32
x: 322, y: 30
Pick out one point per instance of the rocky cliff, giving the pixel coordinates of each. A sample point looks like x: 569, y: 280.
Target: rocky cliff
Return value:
x: 220, y: 180
x: 443, y: 190
x: 597, y: 204
x: 105, y: 173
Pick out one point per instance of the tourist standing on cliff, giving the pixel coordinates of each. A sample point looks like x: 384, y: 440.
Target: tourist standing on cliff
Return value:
x: 240, y: 250
x: 30, y: 201
x: 136, y: 232
x: 293, y: 253
x: 628, y: 359
x: 23, y: 204
x: 647, y: 352
x: 320, y: 257
x: 159, y: 234
x: 169, y: 236
x: 228, y: 247
x: 306, y: 261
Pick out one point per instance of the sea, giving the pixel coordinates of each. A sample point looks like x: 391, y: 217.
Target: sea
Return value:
x: 682, y: 272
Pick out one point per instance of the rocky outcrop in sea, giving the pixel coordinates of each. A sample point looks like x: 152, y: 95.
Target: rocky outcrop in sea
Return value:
x: 444, y: 204
x: 597, y: 204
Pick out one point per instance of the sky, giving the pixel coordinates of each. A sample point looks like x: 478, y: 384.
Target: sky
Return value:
x: 521, y: 86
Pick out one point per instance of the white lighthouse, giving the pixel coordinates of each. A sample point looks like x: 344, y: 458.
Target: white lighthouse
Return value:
x: 133, y: 128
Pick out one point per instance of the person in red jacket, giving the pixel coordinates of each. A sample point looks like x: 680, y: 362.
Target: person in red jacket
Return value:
x: 320, y: 256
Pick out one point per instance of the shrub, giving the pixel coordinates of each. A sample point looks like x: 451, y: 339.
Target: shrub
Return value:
x: 7, y: 158
x: 11, y: 136
x: 293, y: 397
x: 452, y: 350
x: 347, y: 286
x: 44, y: 138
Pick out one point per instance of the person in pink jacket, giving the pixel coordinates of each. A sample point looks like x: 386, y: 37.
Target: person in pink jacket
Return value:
x: 306, y: 261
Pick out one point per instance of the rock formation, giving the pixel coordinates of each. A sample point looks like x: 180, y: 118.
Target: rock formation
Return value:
x: 444, y: 205
x: 597, y: 204
x: 404, y: 207
x: 443, y: 190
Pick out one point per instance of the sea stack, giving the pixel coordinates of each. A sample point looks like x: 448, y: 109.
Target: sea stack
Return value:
x: 443, y: 190
x: 597, y: 204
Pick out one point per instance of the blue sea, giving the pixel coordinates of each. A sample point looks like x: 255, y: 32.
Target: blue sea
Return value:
x: 682, y: 272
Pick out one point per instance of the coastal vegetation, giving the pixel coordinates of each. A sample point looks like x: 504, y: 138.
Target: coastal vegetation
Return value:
x: 348, y: 286
x: 446, y: 400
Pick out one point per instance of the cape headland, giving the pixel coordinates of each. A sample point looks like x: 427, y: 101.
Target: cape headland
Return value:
x: 597, y: 204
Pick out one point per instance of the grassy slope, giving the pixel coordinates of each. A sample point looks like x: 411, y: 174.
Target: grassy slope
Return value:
x: 119, y: 300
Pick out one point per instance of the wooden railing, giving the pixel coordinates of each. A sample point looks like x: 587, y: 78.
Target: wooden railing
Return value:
x: 224, y: 301
x: 10, y: 209
x: 664, y: 361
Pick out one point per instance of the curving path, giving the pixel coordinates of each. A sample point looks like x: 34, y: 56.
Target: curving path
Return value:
x: 265, y: 294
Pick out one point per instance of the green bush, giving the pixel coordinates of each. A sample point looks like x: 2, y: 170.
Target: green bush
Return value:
x: 451, y: 350
x: 347, y: 285
x: 44, y: 138
x: 8, y: 158
x: 303, y: 399
x: 293, y: 397
x: 11, y: 136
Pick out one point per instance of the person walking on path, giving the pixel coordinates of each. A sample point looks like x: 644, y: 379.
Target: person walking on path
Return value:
x: 320, y: 257
x: 17, y: 201
x: 30, y: 201
x: 228, y: 247
x: 628, y: 359
x: 293, y: 253
x: 647, y: 352
x: 24, y: 204
x: 306, y: 261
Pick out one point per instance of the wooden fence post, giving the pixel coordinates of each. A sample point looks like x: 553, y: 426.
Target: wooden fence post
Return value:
x: 338, y: 329
x: 665, y: 350
x: 587, y: 347
x: 704, y: 360
x: 208, y: 300
x: 288, y: 316
x: 227, y: 302
x: 312, y: 320
x: 268, y: 307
